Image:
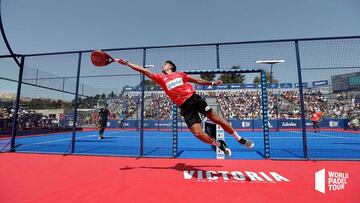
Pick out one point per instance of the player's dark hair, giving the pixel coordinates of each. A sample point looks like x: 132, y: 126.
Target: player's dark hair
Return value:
x: 173, y: 68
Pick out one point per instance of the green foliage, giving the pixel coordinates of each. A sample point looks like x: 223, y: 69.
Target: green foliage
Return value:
x: 233, y: 78
x: 257, y: 79
x: 148, y: 82
x: 208, y: 76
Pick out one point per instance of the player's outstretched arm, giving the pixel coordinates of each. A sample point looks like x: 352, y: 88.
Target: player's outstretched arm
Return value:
x: 136, y: 67
x: 204, y: 82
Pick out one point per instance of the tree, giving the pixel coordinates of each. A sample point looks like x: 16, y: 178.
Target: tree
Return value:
x: 112, y: 95
x: 257, y: 79
x: 148, y: 82
x: 103, y: 96
x: 233, y: 77
x: 208, y: 76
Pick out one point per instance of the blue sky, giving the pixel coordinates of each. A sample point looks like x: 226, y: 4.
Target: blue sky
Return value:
x: 62, y: 25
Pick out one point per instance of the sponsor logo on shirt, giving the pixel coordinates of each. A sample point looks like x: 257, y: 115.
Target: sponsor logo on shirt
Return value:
x: 174, y: 83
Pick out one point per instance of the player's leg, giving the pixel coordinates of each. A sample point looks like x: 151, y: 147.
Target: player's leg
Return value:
x: 314, y: 126
x: 202, y: 107
x: 201, y: 135
x: 193, y: 121
x: 318, y: 126
x: 214, y: 117
x: 101, y: 133
x: 102, y: 129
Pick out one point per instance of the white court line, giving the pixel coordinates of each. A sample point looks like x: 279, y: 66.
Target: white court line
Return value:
x: 328, y: 136
x: 192, y: 137
x: 181, y: 137
x: 61, y: 140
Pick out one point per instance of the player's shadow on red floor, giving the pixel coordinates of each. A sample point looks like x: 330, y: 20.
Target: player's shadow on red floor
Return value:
x: 181, y: 167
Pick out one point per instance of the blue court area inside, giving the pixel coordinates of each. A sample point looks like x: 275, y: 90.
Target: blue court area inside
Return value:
x: 283, y: 145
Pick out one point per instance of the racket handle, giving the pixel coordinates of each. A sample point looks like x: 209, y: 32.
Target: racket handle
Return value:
x: 122, y: 61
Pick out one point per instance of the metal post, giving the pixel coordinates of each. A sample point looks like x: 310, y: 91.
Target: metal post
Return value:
x: 252, y: 117
x: 63, y: 84
x: 137, y: 118
x: 76, y: 104
x: 181, y: 123
x: 17, y: 102
x: 265, y: 114
x: 272, y: 93
x: 302, y: 106
x: 37, y: 76
x: 142, y: 107
x: 175, y: 131
x: 271, y: 67
x: 158, y: 113
x: 217, y: 57
x: 277, y: 113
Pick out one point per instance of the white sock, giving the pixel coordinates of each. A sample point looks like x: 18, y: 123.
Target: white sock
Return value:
x: 216, y: 143
x: 236, y: 136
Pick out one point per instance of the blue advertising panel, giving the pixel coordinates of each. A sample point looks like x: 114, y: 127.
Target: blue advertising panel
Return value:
x: 250, y: 86
x: 304, y: 84
x: 199, y: 87
x: 235, y: 86
x: 320, y: 83
x: 286, y: 85
x: 224, y: 86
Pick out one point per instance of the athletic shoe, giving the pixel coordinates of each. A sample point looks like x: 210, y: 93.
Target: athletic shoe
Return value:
x: 248, y: 143
x: 100, y: 137
x: 223, y: 147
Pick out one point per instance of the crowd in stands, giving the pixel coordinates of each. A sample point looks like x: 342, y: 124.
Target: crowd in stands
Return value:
x: 240, y: 104
x: 5, y: 118
x: 129, y: 105
x: 158, y: 106
x: 245, y: 104
x: 27, y: 119
x: 344, y: 106
x: 126, y: 104
x: 340, y: 105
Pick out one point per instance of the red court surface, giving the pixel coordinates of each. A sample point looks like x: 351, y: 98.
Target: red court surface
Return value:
x: 55, y: 178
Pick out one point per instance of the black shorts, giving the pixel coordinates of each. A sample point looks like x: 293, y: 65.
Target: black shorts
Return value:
x: 316, y: 123
x: 191, y: 108
x: 103, y: 123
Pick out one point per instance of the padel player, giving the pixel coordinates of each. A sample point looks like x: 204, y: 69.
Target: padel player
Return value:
x: 104, y: 114
x: 176, y: 86
x: 315, y: 119
x: 121, y: 120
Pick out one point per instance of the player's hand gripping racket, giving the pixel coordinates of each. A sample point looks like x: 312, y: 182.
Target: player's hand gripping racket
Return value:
x: 101, y: 58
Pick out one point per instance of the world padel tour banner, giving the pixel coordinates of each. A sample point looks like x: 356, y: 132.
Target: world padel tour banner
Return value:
x: 274, y: 85
x: 246, y: 124
x: 239, y: 86
x: 320, y: 83
x: 304, y: 84
x: 286, y: 85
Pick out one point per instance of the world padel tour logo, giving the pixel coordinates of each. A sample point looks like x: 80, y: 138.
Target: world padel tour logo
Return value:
x: 330, y: 180
x: 234, y: 176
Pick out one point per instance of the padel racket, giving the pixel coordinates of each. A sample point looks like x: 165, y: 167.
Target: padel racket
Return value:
x: 101, y: 58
